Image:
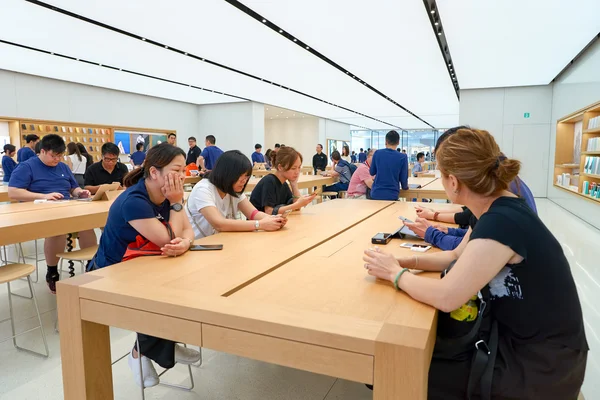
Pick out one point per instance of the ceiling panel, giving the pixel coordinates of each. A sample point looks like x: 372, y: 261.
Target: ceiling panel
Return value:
x: 199, y: 28
x: 388, y: 43
x: 516, y: 42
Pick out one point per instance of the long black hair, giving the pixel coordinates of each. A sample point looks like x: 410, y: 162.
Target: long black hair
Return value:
x: 230, y: 166
x: 158, y: 157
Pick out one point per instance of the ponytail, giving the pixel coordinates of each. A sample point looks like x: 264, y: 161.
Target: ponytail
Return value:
x: 133, y: 177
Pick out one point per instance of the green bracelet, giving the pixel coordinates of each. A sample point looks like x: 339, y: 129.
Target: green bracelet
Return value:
x: 398, y: 275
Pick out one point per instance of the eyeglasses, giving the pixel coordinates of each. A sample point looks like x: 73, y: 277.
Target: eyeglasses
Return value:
x: 55, y: 156
x: 110, y: 159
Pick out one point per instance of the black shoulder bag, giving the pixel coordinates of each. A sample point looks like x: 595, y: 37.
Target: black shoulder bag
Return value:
x: 477, y: 339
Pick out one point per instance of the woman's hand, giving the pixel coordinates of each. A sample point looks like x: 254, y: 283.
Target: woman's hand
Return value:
x: 382, y: 265
x: 424, y: 213
x: 272, y: 223
x: 176, y: 247
x: 419, y: 226
x: 306, y: 200
x: 173, y: 187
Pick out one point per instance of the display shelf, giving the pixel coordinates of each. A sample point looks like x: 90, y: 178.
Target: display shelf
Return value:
x: 590, y: 198
x: 590, y: 153
x: 588, y: 131
x: 591, y: 175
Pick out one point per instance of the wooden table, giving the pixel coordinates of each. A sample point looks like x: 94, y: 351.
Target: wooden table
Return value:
x: 4, y: 193
x: 21, y: 222
x: 354, y: 328
x: 192, y: 180
x: 432, y: 190
x: 304, y: 182
x: 261, y: 172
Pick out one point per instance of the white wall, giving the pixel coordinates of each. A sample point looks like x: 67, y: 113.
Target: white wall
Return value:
x: 28, y: 96
x: 299, y: 133
x: 577, y: 88
x: 501, y: 112
x: 236, y: 126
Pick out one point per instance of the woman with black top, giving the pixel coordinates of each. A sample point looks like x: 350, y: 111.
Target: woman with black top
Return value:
x: 150, y: 211
x: 272, y: 195
x: 541, y: 344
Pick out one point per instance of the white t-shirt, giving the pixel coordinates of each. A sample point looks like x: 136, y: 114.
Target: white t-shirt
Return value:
x: 347, y: 159
x: 205, y: 194
x: 78, y: 166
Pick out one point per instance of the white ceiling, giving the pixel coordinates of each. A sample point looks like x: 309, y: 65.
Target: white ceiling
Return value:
x: 273, y: 112
x: 389, y: 44
x: 516, y: 42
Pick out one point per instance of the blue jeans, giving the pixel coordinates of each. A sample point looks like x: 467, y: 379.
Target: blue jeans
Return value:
x: 336, y: 187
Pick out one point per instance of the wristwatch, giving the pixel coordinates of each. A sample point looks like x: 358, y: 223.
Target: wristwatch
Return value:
x: 176, y: 207
x: 435, y: 215
x: 257, y: 225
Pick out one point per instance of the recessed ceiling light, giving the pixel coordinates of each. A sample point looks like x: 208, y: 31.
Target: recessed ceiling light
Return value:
x: 185, y: 54
x: 144, y: 39
x: 281, y: 31
x: 295, y: 40
x: 120, y: 69
x: 264, y: 21
x: 51, y: 54
x: 432, y: 11
x: 436, y: 23
x: 439, y: 33
x: 78, y: 59
x: 267, y: 109
x: 307, y: 48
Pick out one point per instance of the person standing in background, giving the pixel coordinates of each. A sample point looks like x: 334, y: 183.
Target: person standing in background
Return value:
x: 76, y: 161
x: 277, y: 147
x: 89, y: 159
x: 346, y: 154
x: 28, y: 151
x: 362, y: 156
x: 137, y: 158
x: 257, y: 156
x: 8, y: 163
x: 418, y: 167
x: 209, y: 156
x: 390, y: 169
x: 172, y: 139
x: 268, y: 163
x: 319, y: 160
x: 353, y: 157
x: 194, y: 151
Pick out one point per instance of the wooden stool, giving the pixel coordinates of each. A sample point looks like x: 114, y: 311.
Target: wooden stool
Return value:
x: 327, y: 195
x: 82, y: 256
x: 8, y: 274
x: 342, y: 194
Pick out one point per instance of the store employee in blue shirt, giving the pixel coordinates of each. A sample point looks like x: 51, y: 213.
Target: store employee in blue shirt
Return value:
x: 46, y: 177
x: 210, y: 154
x: 28, y: 151
x: 153, y: 199
x: 257, y: 156
x: 390, y: 169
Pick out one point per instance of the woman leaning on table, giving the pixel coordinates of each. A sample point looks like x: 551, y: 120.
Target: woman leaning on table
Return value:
x: 149, y: 215
x: 511, y: 257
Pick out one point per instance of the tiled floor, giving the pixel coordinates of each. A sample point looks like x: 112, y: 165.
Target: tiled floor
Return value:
x: 227, y: 377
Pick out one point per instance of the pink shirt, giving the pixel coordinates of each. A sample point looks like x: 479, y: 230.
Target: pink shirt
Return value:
x: 357, y: 186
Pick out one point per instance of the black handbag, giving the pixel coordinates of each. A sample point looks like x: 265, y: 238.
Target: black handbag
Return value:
x: 477, y: 340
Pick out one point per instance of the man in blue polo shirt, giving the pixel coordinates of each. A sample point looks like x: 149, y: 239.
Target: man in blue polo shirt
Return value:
x: 257, y: 156
x: 210, y: 154
x: 362, y: 156
x: 390, y: 169
x: 28, y: 151
x: 46, y: 177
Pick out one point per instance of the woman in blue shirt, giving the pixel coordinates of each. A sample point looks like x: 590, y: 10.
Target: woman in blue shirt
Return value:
x: 150, y: 210
x: 8, y: 163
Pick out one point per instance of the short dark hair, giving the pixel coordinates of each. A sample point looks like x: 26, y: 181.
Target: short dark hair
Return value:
x: 211, y: 139
x: 110, y: 148
x: 336, y: 155
x: 420, y: 155
x: 257, y: 146
x: 171, y: 134
x: 277, y: 145
x: 38, y: 147
x: 54, y: 143
x: 320, y: 145
x: 230, y: 166
x: 31, y: 138
x: 192, y: 138
x: 361, y: 149
x: 392, y: 138
x: 446, y: 134
x: 139, y: 146
x: 398, y: 150
x: 9, y: 148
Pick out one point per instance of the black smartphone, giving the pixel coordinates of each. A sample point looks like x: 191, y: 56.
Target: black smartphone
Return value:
x: 206, y: 247
x: 405, y: 219
x: 381, y: 238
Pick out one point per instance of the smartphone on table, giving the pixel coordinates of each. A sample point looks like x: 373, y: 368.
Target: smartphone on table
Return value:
x: 405, y: 219
x: 381, y: 238
x: 206, y: 247
x: 288, y: 212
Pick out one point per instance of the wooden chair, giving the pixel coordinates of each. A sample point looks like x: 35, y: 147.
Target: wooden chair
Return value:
x: 81, y: 256
x: 8, y: 274
x: 329, y: 195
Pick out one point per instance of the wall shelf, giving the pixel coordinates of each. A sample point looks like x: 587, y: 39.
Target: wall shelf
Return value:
x: 595, y: 130
x: 590, y: 198
x: 567, y: 166
x: 591, y: 175
x: 590, y: 153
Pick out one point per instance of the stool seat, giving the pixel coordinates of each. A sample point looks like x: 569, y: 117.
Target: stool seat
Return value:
x: 79, y: 255
x: 12, y: 272
x: 329, y: 193
x: 342, y: 194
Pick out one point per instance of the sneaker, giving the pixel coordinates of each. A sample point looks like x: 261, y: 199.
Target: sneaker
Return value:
x: 187, y: 356
x: 148, y: 371
x: 51, y: 279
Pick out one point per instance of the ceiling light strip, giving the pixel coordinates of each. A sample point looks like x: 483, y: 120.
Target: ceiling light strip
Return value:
x: 436, y: 23
x: 279, y: 30
x: 118, y: 69
x: 187, y: 54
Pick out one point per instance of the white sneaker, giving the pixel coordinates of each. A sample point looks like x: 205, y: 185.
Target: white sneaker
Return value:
x: 149, y: 373
x: 185, y: 355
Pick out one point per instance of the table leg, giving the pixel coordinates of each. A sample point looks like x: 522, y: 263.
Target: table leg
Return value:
x: 84, y: 348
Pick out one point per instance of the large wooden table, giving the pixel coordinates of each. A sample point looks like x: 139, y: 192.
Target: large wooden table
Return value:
x: 304, y: 182
x: 431, y: 190
x: 4, y: 193
x: 298, y: 297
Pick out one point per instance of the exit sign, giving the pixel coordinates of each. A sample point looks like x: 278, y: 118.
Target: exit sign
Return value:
x: 526, y: 115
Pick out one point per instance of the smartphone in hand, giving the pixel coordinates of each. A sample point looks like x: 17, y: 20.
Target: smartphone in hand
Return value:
x: 206, y: 247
